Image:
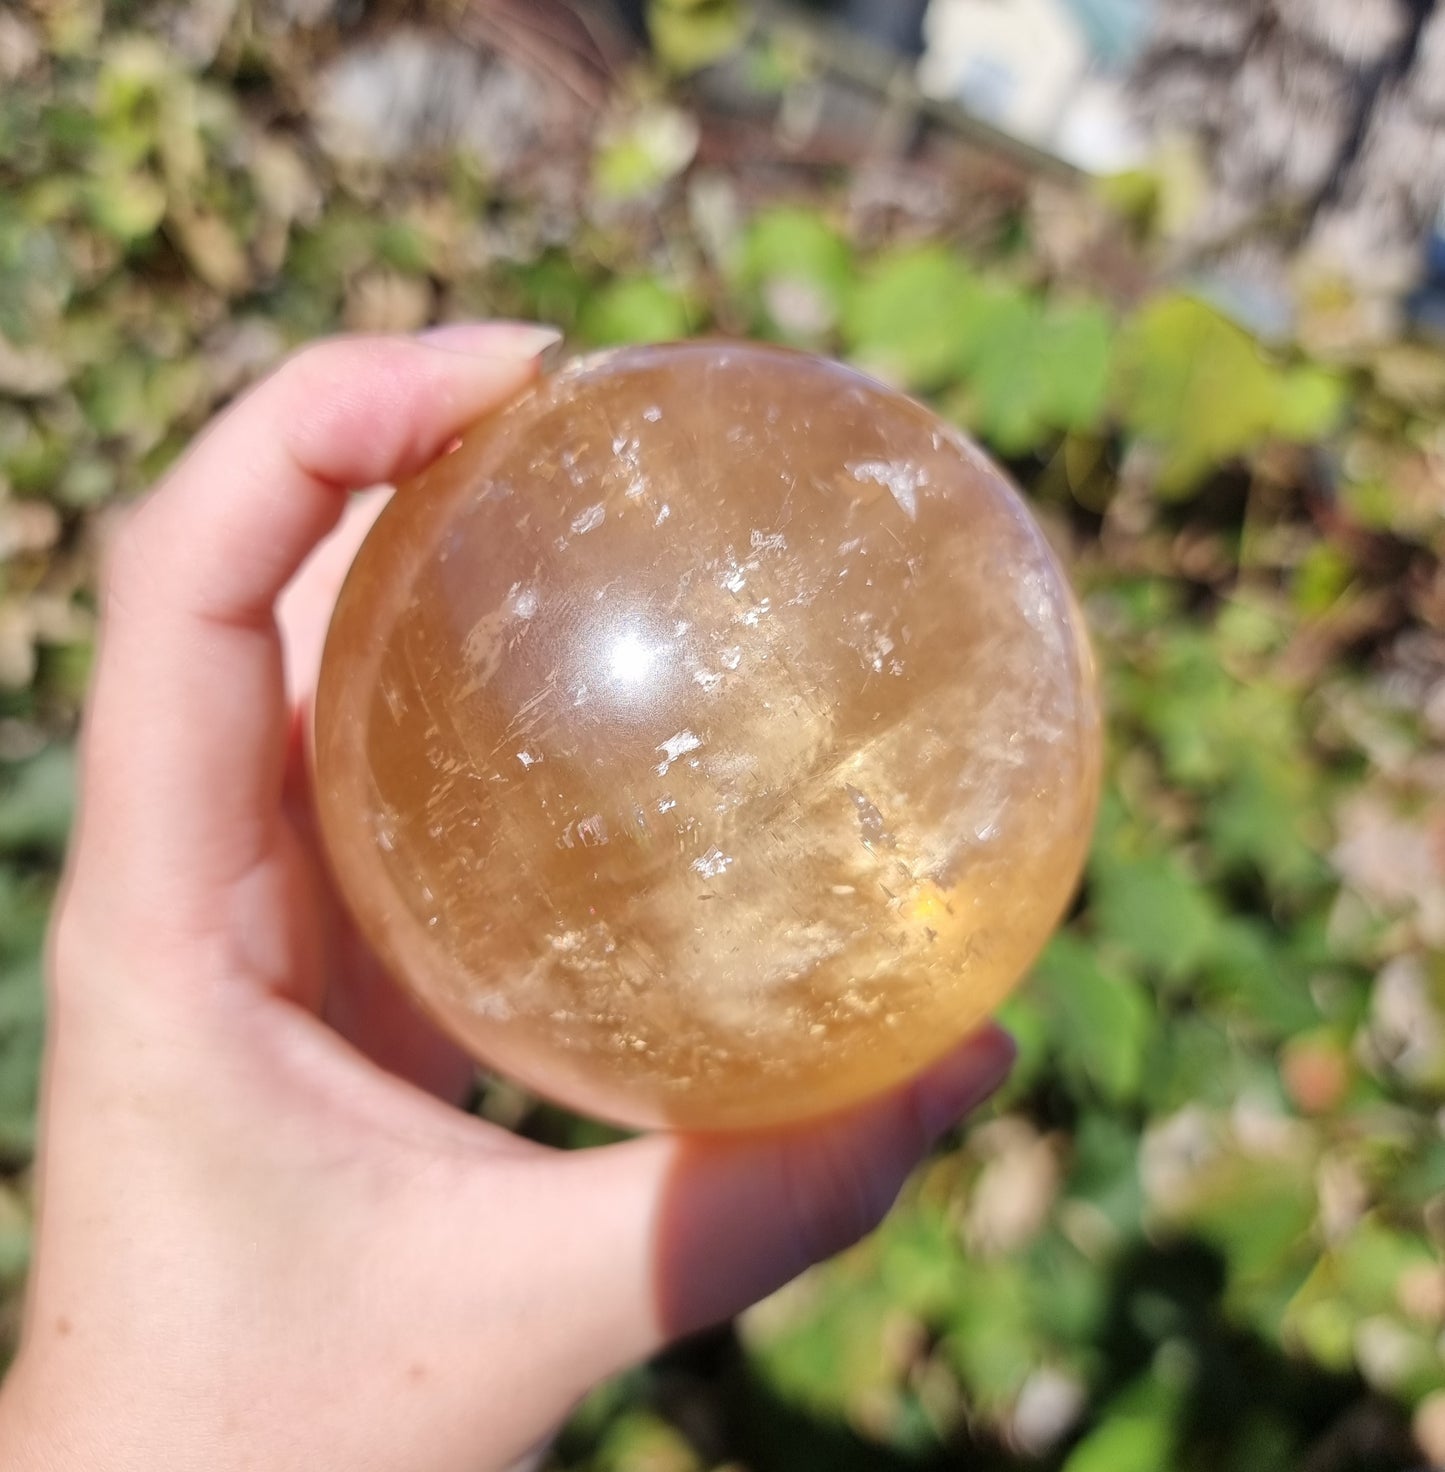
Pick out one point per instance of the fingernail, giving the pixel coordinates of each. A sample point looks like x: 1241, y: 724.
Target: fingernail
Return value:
x: 494, y: 339
x: 965, y: 1079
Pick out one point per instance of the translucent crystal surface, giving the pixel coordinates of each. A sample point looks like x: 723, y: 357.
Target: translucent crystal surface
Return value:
x: 710, y: 739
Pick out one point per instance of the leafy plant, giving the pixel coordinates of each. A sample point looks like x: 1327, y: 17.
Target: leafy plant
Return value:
x: 1201, y: 1224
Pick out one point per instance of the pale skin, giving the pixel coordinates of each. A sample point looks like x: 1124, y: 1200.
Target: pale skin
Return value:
x: 268, y: 1238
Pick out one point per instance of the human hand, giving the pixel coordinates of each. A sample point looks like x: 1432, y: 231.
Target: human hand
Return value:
x: 264, y: 1241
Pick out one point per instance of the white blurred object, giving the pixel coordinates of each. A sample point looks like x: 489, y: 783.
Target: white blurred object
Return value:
x: 1014, y: 62
x: 1100, y: 132
x: 417, y: 93
x: 1049, y: 1407
x: 1032, y: 69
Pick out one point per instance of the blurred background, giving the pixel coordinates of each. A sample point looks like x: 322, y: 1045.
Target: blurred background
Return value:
x: 1176, y: 263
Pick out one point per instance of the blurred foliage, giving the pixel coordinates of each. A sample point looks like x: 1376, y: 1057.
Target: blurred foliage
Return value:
x: 689, y: 34
x: 1204, y: 1227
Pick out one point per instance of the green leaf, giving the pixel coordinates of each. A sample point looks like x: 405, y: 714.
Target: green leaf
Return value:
x: 788, y: 253
x: 688, y: 35
x: 1196, y: 387
x: 1000, y: 355
x: 1369, y: 1265
x: 37, y: 803
x: 1323, y: 575
x: 553, y: 288
x: 405, y: 246
x: 1195, y: 1059
x: 1073, y: 366
x: 1261, y: 820
x: 1137, y: 1435
x: 993, y: 1339
x: 1105, y: 1172
x: 24, y: 910
x: 22, y: 1025
x: 1028, y: 1016
x: 1102, y: 1018
x: 833, y: 1353
x: 36, y: 276
x: 1261, y: 982
x: 643, y: 1442
x: 1312, y: 403
x: 1031, y: 368
x: 637, y: 158
x: 910, y: 318
x: 127, y: 205
x: 642, y: 309
x: 1259, y: 1213
x: 1124, y: 1443
x: 14, y: 1237
x: 1153, y: 909
x: 1422, y: 1180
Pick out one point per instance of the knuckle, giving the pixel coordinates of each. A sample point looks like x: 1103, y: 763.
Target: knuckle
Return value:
x: 331, y: 390
x: 318, y: 367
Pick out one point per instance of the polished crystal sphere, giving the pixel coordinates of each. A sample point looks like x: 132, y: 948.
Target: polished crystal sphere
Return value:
x: 709, y: 739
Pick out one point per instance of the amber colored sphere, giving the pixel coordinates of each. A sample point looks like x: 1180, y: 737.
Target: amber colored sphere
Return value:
x: 710, y: 739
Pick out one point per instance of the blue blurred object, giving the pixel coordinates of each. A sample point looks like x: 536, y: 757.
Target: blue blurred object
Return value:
x: 897, y: 24
x: 1116, y: 29
x: 1425, y: 307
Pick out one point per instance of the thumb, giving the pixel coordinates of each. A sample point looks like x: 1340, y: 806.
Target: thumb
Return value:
x: 684, y: 1232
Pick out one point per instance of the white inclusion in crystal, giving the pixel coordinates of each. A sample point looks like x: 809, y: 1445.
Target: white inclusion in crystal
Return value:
x: 712, y: 863
x: 736, y: 580
x: 731, y: 657
x: 528, y: 758
x: 522, y: 602
x: 675, y: 747
x: 592, y: 831
x: 652, y: 414
x: 663, y: 512
x: 708, y: 679
x: 589, y: 519
x: 879, y: 648
x: 902, y: 480
x: 1035, y: 600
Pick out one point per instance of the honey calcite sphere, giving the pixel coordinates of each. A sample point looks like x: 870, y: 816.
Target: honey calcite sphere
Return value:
x: 709, y: 739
